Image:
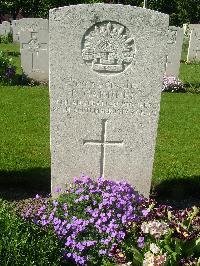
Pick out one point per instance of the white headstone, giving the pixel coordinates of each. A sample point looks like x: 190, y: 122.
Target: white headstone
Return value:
x: 15, y: 30
x: 174, y: 47
x: 194, y: 44
x: 35, y: 54
x: 5, y: 28
x: 28, y: 24
x: 106, y: 69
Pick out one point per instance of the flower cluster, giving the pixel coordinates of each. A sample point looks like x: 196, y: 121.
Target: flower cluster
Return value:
x: 104, y: 221
x: 90, y: 217
x: 167, y: 235
x: 7, y: 69
x: 172, y: 84
x: 155, y: 228
x: 153, y: 259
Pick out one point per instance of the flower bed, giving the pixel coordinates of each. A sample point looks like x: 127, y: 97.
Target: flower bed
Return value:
x: 107, y: 223
x: 173, y: 84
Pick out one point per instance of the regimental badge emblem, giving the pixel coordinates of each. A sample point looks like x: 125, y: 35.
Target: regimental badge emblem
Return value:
x: 108, y: 48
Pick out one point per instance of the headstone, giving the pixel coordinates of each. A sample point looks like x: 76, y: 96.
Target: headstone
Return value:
x: 5, y: 28
x: 28, y: 24
x: 34, y: 54
x: 193, y: 26
x: 15, y: 30
x: 106, y: 69
x: 194, y: 44
x: 174, y: 49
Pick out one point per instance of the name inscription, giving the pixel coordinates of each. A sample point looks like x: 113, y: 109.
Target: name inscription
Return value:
x: 107, y: 98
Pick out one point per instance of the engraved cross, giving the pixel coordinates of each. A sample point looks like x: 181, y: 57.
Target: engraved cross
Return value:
x: 34, y: 46
x: 103, y: 143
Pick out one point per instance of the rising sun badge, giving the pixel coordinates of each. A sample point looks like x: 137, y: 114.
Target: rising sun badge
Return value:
x: 108, y: 48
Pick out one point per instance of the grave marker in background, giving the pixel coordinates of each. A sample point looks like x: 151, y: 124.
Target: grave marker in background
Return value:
x: 106, y: 68
x: 174, y: 49
x: 28, y: 24
x: 34, y: 54
x: 5, y: 28
x: 194, y: 44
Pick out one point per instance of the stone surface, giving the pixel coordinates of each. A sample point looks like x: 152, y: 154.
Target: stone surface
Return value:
x: 35, y: 54
x: 174, y: 47
x: 194, y: 43
x: 106, y: 68
x: 5, y: 28
x: 28, y: 24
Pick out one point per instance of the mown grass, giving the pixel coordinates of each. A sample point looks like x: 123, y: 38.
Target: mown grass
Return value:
x: 12, y: 51
x: 23, y: 243
x: 24, y: 134
x: 177, y: 153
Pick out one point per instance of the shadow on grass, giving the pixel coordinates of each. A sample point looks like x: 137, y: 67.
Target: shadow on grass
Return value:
x: 180, y: 192
x: 23, y: 80
x: 190, y: 84
x: 18, y: 185
x: 13, y: 53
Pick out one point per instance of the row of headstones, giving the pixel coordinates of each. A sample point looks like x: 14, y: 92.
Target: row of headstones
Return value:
x: 192, y: 31
x: 33, y: 36
x: 32, y: 33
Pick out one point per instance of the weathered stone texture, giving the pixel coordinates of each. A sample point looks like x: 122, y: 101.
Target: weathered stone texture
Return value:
x: 34, y: 49
x: 106, y: 68
x: 5, y: 28
x: 194, y: 43
x: 28, y: 24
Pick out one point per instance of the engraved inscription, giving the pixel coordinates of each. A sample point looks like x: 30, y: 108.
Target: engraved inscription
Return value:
x: 84, y: 97
x: 108, y: 48
x: 172, y: 35
x: 103, y: 143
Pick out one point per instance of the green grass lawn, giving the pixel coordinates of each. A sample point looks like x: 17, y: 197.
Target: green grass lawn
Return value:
x: 177, y: 157
x: 24, y: 135
x: 13, y: 51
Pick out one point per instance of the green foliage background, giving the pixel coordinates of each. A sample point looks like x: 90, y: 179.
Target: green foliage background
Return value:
x: 180, y: 11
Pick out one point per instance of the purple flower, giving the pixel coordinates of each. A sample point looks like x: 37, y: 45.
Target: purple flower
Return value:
x: 58, y: 190
x: 10, y: 72
x: 145, y: 212
x: 55, y: 203
x: 140, y: 242
x: 102, y: 251
x: 95, y: 215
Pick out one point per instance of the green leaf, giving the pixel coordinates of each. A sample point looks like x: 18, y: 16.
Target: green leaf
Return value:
x: 137, y: 257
